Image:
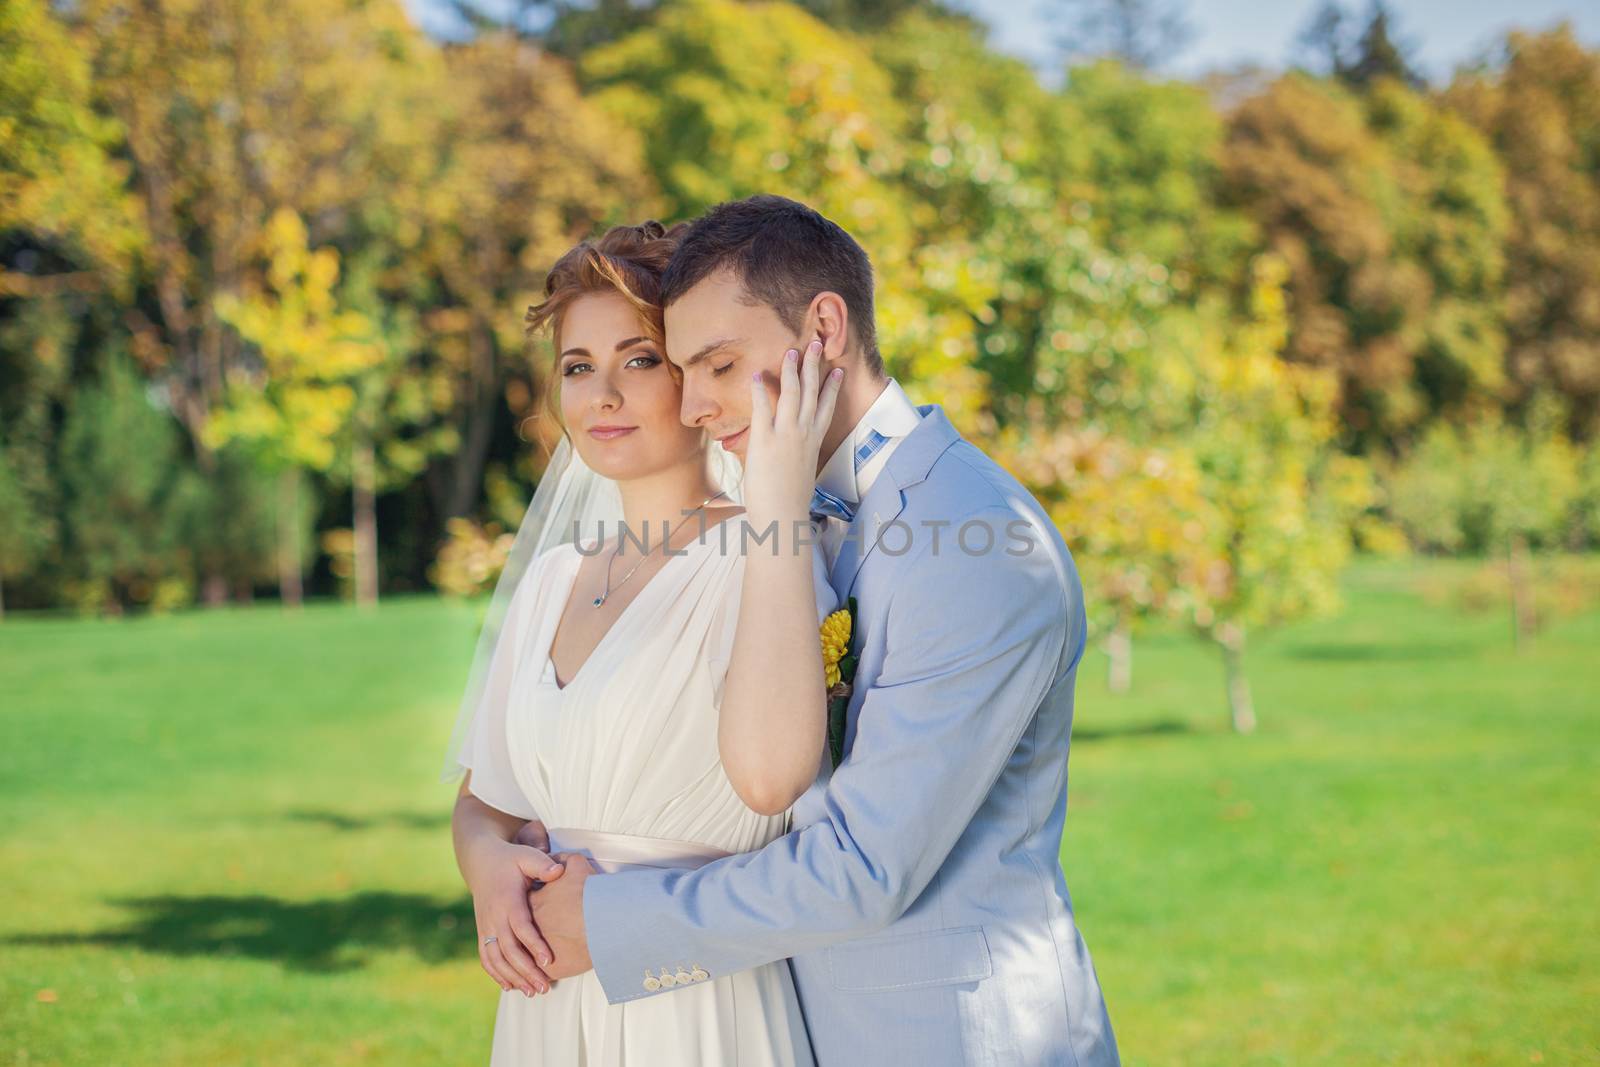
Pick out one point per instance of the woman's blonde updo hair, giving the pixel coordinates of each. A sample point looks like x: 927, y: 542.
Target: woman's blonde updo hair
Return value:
x: 627, y: 260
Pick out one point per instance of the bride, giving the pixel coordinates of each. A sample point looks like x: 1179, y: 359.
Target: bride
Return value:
x: 594, y: 722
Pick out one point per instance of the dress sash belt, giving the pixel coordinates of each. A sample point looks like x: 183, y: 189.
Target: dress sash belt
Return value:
x: 619, y: 852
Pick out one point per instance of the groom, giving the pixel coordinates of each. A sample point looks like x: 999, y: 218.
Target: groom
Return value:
x: 920, y: 897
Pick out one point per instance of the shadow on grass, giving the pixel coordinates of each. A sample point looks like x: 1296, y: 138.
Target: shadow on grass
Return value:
x: 1132, y: 729
x: 328, y: 935
x: 1373, y: 651
x: 338, y: 820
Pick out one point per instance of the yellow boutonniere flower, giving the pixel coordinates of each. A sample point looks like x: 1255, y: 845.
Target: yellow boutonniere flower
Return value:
x: 835, y: 643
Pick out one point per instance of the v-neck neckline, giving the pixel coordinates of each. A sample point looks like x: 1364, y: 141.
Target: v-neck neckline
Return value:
x: 616, y: 623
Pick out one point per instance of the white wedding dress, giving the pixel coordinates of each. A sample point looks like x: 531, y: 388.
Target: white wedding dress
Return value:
x: 621, y: 763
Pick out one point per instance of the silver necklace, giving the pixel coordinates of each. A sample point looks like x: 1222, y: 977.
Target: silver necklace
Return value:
x: 601, y: 599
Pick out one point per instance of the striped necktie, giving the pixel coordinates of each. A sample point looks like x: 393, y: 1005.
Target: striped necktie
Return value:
x: 824, y: 503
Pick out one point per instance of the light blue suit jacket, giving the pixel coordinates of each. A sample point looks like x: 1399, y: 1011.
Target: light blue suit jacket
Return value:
x: 920, y: 896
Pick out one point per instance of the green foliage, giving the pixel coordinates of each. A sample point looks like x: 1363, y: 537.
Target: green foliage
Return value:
x: 525, y: 164
x: 313, y: 350
x: 984, y: 146
x: 116, y: 462
x: 470, y: 561
x: 1136, y: 517
x: 732, y: 99
x: 1454, y: 226
x: 1586, y: 506
x: 1263, y: 435
x: 1147, y: 163
x: 1540, y: 108
x: 224, y: 521
x: 1390, y: 216
x: 22, y: 529
x: 329, y: 373
x: 1071, y: 274
x: 1186, y: 463
x: 237, y: 112
x: 60, y: 179
x: 1470, y: 489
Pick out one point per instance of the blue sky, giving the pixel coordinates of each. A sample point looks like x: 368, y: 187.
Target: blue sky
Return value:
x: 1233, y: 32
x: 1230, y: 32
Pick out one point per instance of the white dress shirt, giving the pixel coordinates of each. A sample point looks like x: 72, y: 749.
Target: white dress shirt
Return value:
x: 892, y: 416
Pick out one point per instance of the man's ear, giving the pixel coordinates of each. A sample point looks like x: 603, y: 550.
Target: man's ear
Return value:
x: 828, y: 318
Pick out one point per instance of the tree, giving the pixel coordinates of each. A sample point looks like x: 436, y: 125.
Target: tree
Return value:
x: 986, y: 155
x: 1143, y: 34
x: 1373, y: 55
x: 528, y: 167
x: 572, y: 28
x: 1325, y: 38
x: 734, y: 99
x: 230, y: 111
x: 1177, y: 449
x: 1147, y: 166
x: 870, y: 16
x: 1586, y: 506
x: 1388, y: 212
x: 69, y: 237
x: 224, y: 522
x: 334, y: 392
x: 1378, y: 54
x: 60, y: 181
x: 1093, y: 369
x: 1301, y: 160
x: 1539, y: 105
x: 1092, y: 403
x: 23, y: 531
x: 566, y: 28
x: 1135, y: 514
x: 116, y: 464
x: 1453, y: 227
x: 1284, y: 497
x: 1492, y: 487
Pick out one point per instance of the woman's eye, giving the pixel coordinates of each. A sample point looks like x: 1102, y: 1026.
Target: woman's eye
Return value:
x: 650, y: 359
x: 572, y: 368
x: 717, y: 372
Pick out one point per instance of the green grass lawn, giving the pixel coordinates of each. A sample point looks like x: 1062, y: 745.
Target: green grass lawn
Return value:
x: 224, y: 840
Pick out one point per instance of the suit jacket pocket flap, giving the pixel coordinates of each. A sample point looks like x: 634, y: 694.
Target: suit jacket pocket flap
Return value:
x: 910, y: 961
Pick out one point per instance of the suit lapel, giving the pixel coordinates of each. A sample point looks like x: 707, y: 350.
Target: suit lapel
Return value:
x: 907, y: 465
x: 883, y: 502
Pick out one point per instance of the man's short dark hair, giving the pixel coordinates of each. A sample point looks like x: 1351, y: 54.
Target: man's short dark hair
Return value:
x: 784, y: 254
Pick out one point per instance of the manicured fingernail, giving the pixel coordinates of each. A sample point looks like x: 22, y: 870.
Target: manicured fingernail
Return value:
x: 836, y: 373
x: 544, y: 959
x: 756, y: 377
x: 817, y: 345
x: 554, y: 868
